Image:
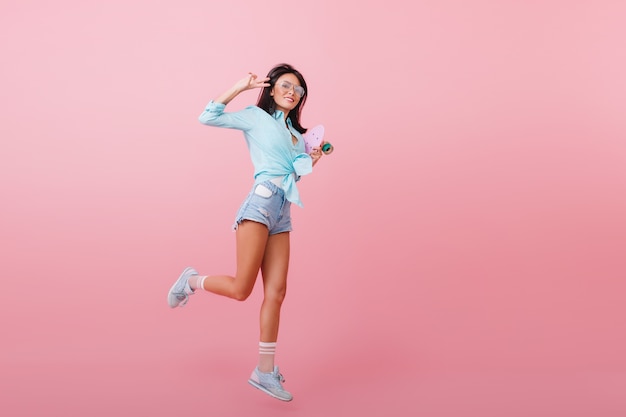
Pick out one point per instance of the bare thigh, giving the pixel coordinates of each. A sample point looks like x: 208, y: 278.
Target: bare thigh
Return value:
x: 252, y: 238
x: 275, y: 265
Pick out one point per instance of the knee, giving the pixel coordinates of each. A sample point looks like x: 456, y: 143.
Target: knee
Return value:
x: 275, y: 295
x: 242, y: 294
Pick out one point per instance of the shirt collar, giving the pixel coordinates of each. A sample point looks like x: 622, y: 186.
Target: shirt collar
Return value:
x: 278, y: 115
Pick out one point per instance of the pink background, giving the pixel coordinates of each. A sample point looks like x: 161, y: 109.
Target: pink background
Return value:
x: 460, y: 254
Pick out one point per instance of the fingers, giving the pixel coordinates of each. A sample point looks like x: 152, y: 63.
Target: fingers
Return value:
x: 316, y: 153
x: 254, y: 82
x: 264, y: 82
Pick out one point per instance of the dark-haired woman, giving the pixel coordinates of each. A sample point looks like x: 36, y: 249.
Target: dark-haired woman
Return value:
x: 273, y: 134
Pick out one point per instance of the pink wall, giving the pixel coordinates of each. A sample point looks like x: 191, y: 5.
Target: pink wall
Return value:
x: 466, y: 239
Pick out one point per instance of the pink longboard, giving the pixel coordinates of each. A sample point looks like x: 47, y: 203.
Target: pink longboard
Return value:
x: 314, y: 137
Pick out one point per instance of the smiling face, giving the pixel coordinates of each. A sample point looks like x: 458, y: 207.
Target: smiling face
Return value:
x: 287, y: 93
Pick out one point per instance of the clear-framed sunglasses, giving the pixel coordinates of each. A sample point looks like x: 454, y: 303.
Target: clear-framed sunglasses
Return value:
x: 286, y: 85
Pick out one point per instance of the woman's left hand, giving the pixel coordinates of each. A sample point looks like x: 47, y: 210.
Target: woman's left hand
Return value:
x: 316, y: 153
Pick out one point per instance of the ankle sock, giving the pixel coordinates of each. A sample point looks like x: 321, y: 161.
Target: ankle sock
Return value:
x: 267, y: 351
x: 196, y: 282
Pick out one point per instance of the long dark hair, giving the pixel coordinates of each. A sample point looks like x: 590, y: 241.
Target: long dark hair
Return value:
x: 266, y: 101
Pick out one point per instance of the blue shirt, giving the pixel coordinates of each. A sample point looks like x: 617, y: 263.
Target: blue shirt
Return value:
x: 269, y: 141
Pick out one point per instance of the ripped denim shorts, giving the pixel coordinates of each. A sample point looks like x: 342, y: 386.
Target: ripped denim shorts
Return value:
x: 266, y: 204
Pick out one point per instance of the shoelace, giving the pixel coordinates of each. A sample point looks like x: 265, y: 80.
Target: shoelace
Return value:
x: 186, y: 298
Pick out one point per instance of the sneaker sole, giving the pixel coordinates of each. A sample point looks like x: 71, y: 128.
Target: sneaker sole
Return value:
x: 262, y: 388
x: 171, y: 291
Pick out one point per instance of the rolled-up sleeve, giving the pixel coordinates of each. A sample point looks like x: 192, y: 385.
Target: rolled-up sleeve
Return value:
x: 214, y: 115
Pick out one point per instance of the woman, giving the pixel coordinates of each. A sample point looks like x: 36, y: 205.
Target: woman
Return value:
x: 273, y: 134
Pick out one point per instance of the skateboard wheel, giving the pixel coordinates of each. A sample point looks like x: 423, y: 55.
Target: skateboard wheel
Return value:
x: 327, y: 148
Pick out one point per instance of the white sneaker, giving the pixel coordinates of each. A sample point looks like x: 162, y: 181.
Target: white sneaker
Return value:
x: 180, y: 291
x: 270, y: 383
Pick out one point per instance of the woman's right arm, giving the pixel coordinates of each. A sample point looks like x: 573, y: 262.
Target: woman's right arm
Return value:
x: 214, y: 114
x: 247, y: 83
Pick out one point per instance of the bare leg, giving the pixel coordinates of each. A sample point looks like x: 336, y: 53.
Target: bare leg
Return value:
x: 252, y: 238
x: 274, y: 268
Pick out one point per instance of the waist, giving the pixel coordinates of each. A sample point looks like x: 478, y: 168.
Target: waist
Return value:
x: 278, y: 181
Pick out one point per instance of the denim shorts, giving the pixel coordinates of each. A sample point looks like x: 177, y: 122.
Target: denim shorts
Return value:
x: 266, y: 204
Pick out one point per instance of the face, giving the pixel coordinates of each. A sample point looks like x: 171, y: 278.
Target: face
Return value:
x: 287, y: 93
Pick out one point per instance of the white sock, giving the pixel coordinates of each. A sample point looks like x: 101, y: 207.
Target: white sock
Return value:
x: 267, y: 351
x: 197, y: 282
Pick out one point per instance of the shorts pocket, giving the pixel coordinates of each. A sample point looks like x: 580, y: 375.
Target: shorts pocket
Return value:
x: 262, y: 191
